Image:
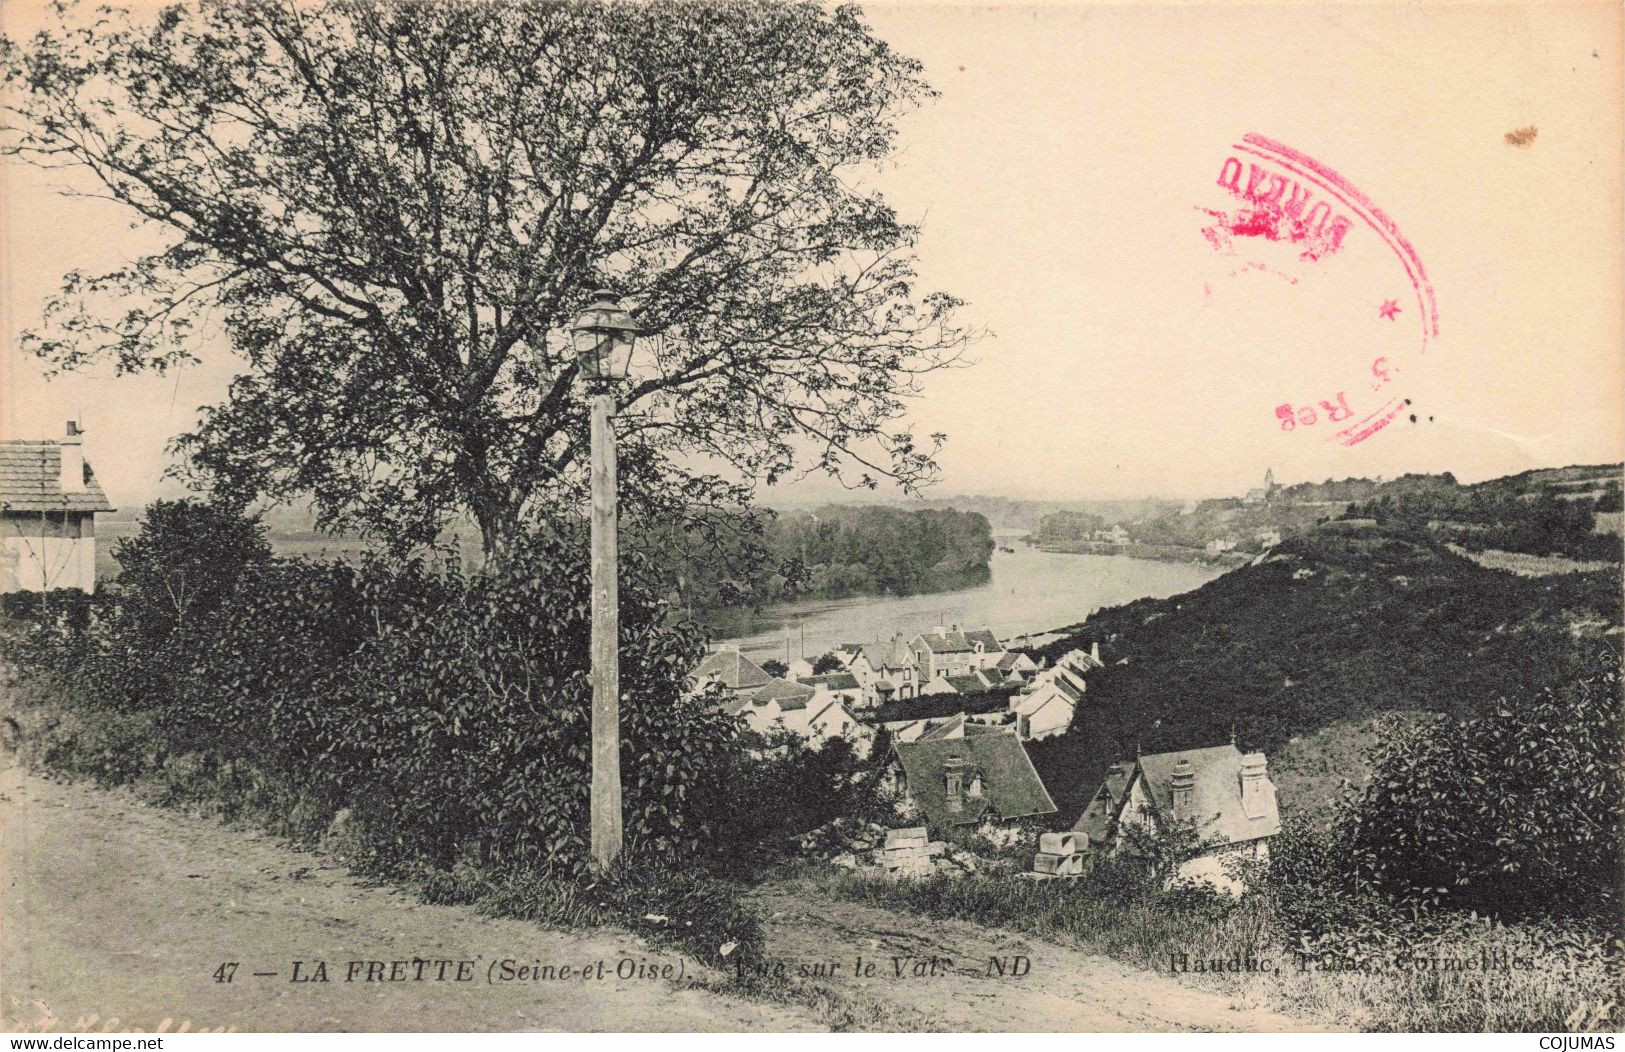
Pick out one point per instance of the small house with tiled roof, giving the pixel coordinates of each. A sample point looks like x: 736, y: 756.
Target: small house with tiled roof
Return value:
x: 49, y: 499
x: 969, y: 779
x: 726, y: 667
x: 1225, y: 794
x: 799, y: 708
x: 1049, y: 703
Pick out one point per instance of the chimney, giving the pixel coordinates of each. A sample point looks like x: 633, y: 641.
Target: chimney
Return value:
x: 1182, y: 789
x: 1094, y: 650
x: 73, y: 460
x: 1254, y: 784
x: 955, y: 772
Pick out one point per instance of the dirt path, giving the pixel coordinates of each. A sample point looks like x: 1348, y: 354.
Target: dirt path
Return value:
x: 115, y: 915
x: 1064, y: 989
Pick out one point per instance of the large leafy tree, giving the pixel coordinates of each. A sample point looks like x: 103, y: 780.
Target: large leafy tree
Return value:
x: 394, y: 209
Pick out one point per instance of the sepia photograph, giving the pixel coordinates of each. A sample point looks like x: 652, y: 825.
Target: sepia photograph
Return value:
x: 785, y: 516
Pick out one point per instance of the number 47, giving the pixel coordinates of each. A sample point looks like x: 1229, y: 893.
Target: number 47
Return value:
x: 224, y: 973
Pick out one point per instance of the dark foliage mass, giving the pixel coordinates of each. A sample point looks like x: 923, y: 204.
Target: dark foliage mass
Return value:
x: 837, y: 551
x: 1514, y: 811
x: 936, y: 706
x: 1347, y: 621
x: 449, y: 715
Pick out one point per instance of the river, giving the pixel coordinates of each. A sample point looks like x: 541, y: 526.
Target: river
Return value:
x: 1030, y: 593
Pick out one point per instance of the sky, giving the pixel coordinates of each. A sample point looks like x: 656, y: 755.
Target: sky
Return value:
x: 1066, y: 182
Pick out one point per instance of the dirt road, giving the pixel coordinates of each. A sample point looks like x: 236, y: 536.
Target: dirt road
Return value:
x: 114, y: 910
x: 946, y: 976
x: 117, y: 915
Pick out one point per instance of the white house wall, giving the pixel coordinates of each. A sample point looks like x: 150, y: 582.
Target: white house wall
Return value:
x: 39, y: 553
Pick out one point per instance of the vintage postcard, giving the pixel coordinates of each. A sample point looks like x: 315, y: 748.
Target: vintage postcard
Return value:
x: 757, y: 516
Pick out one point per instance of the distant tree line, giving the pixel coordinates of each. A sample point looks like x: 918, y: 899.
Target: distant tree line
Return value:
x: 831, y: 553
x: 1500, y: 514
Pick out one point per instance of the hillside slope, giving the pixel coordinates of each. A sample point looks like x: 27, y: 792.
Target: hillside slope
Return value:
x: 1310, y: 642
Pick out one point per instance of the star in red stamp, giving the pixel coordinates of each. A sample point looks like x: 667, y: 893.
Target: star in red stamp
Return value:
x: 1285, y: 215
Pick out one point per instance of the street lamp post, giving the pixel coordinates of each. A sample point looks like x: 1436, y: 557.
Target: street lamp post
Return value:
x: 603, y: 336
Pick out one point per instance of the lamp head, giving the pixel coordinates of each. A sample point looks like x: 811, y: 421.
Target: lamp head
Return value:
x: 603, y: 335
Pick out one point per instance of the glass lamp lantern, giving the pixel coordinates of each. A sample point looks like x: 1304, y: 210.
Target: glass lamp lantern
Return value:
x: 603, y: 335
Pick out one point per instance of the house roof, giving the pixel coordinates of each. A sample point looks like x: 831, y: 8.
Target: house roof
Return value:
x: 984, y: 636
x: 891, y: 653
x: 733, y: 670
x: 946, y: 642
x: 789, y: 694
x: 967, y: 684
x: 1009, y: 659
x: 31, y: 480
x: 834, y: 681
x: 1011, y: 787
x: 1215, y: 795
x: 1064, y: 685
x: 944, y: 729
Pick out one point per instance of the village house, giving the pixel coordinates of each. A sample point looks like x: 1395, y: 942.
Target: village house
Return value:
x: 886, y: 671
x: 1049, y: 703
x: 949, y: 652
x: 798, y: 708
x: 1115, y: 535
x: 800, y: 668
x: 49, y: 498
x: 1268, y: 538
x: 1016, y: 666
x: 979, y: 681
x: 1225, y: 793
x: 981, y: 775
x: 726, y: 667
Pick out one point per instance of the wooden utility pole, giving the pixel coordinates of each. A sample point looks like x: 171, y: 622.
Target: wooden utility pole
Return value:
x: 606, y: 644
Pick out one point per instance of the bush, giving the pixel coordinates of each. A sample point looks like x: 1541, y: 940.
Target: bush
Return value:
x: 1514, y: 813
x: 450, y: 715
x: 187, y: 558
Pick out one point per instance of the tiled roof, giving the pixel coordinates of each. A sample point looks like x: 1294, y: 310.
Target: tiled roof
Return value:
x: 946, y: 642
x: 1011, y: 787
x: 733, y: 670
x: 889, y: 654
x: 788, y: 694
x: 967, y: 684
x: 1065, y: 686
x: 945, y: 729
x: 834, y: 681
x: 31, y: 480
x: 985, y: 636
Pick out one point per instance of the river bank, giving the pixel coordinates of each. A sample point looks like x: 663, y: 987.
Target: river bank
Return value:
x: 1030, y: 593
x: 1158, y: 552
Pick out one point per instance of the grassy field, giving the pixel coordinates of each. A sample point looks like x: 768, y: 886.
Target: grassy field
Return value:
x: 1530, y: 565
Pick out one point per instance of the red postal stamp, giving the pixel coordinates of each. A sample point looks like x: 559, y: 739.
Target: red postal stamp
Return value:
x: 1287, y: 215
